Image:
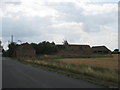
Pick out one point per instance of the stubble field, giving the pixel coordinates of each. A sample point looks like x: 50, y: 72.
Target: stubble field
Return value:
x: 110, y: 62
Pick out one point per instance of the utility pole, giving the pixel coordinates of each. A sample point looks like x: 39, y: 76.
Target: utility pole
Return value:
x: 12, y: 39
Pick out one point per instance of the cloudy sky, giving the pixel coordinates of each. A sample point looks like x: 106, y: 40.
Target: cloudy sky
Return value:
x: 93, y: 22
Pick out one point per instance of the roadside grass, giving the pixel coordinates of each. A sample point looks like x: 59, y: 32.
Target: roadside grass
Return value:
x: 102, y: 56
x: 107, y: 77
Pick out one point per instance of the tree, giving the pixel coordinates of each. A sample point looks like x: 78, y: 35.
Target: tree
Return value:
x: 11, y: 51
x: 45, y: 47
x: 65, y: 42
x: 116, y: 51
x: 4, y: 53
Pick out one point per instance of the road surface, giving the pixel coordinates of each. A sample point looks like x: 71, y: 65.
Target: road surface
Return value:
x: 18, y: 75
x: 0, y: 72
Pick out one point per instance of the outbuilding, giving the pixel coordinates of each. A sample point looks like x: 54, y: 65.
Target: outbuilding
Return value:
x: 74, y: 50
x: 100, y: 50
x: 25, y: 50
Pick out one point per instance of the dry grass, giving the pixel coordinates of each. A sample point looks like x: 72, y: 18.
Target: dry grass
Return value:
x: 111, y: 62
x: 104, y: 69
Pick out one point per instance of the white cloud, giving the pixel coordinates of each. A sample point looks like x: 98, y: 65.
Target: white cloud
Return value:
x: 105, y: 37
x: 56, y: 37
x: 82, y: 22
x: 99, y: 9
x: 69, y: 30
x: 29, y: 8
x: 67, y: 25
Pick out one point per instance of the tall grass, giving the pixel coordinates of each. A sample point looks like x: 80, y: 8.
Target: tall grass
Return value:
x: 100, y: 73
x: 101, y: 56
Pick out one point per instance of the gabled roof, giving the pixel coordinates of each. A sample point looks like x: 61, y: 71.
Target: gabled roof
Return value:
x: 100, y: 48
x: 26, y: 45
x: 72, y: 45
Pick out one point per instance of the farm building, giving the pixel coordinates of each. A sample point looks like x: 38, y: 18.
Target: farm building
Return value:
x: 81, y: 50
x: 25, y: 50
x: 100, y: 50
x: 67, y: 50
x: 74, y: 50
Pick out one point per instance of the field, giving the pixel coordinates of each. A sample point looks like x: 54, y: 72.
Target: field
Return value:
x: 110, y: 62
x: 102, y: 71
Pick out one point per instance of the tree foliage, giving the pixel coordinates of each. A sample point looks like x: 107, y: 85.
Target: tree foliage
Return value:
x: 11, y: 51
x: 65, y: 42
x: 116, y: 51
x: 45, y: 47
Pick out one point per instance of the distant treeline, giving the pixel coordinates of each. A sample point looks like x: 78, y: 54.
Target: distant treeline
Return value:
x: 41, y: 48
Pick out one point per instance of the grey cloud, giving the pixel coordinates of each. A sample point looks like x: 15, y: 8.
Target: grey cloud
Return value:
x: 23, y: 27
x: 92, y: 23
x: 0, y: 27
x: 14, y: 3
x: 27, y: 29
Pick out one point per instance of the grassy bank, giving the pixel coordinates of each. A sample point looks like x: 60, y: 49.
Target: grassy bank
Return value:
x: 107, y: 77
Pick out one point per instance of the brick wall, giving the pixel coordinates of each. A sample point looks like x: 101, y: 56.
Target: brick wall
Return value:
x: 25, y: 50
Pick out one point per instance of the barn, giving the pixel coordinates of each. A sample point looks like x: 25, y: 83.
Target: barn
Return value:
x: 25, y: 50
x: 81, y: 50
x: 74, y: 50
x: 100, y: 50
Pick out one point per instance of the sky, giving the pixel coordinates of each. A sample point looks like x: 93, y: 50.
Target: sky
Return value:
x: 91, y: 22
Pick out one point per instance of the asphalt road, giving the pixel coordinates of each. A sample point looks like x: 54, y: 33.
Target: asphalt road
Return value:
x: 18, y: 75
x: 0, y: 72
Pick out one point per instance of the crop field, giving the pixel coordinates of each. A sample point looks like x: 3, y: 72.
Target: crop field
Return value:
x: 103, y: 71
x: 110, y: 62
